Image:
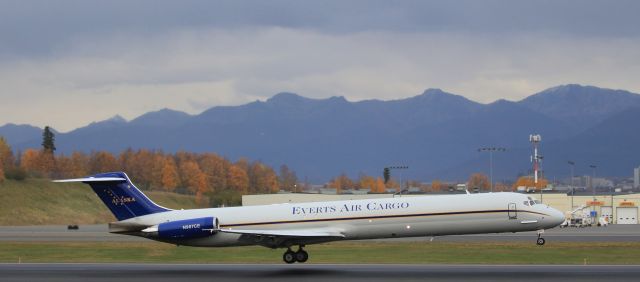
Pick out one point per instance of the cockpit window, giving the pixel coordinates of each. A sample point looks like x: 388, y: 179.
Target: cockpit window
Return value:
x: 538, y: 202
x: 533, y: 202
x: 526, y: 203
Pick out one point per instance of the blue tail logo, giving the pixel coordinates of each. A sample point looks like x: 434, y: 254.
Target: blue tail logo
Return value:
x: 120, y: 195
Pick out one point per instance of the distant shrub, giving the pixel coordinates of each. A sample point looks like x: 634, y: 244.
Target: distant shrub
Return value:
x: 15, y: 173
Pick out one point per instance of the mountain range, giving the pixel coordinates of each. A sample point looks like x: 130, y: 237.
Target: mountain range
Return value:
x: 436, y: 134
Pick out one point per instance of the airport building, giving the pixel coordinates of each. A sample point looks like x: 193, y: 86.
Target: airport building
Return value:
x: 636, y: 177
x: 617, y: 208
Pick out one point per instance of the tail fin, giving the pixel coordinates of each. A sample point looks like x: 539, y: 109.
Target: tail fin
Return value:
x: 120, y: 195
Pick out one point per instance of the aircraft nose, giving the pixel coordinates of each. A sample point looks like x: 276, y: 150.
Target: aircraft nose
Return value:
x: 557, y: 217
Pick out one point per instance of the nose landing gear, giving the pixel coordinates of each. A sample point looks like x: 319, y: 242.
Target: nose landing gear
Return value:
x: 300, y: 256
x: 540, y: 240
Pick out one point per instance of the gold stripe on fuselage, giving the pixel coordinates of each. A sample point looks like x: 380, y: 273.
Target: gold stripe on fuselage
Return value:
x: 374, y: 217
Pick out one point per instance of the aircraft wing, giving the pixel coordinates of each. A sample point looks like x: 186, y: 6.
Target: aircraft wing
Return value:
x: 286, y: 237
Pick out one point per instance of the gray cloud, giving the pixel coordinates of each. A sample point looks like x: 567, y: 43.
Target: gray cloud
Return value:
x: 80, y: 61
x: 45, y: 26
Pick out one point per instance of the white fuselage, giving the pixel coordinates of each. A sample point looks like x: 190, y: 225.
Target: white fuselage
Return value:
x: 374, y: 218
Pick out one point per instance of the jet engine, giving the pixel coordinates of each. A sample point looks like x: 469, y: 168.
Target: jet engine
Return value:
x: 187, y: 228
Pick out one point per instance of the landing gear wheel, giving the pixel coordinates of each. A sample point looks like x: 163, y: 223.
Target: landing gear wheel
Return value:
x: 302, y: 256
x: 540, y: 241
x: 289, y: 256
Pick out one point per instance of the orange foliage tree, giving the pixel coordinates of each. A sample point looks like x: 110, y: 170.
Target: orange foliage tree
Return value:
x: 102, y: 161
x: 262, y: 178
x: 191, y: 176
x: 478, y: 180
x: 341, y: 182
x: 380, y: 187
x: 367, y: 182
x: 182, y: 172
x: 215, y: 168
x: 170, y: 175
x: 288, y: 178
x: 238, y: 179
x: 79, y: 165
x: 529, y: 182
x: 30, y: 161
x: 6, y: 157
x: 6, y: 154
x: 436, y: 186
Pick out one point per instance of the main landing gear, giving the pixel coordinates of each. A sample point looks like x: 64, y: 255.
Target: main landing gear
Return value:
x: 540, y: 240
x: 299, y: 256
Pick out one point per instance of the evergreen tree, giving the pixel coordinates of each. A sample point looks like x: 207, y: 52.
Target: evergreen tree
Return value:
x: 48, y: 140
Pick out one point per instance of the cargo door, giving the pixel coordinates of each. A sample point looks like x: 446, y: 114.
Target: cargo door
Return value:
x: 512, y: 211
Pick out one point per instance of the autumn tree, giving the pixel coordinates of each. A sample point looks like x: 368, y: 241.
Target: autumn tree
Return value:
x: 262, y: 178
x: 102, y: 161
x: 63, y: 167
x: 191, y: 176
x: 271, y: 180
x: 478, y: 180
x: 170, y: 175
x: 380, y: 186
x: 47, y: 162
x: 6, y: 158
x: 215, y: 168
x: 288, y: 178
x: 367, y: 182
x: 141, y: 165
x: 194, y: 180
x: 30, y: 162
x: 529, y: 182
x: 203, y: 190
x: 79, y: 165
x: 436, y: 186
x: 157, y: 167
x: 392, y: 184
x: 125, y: 160
x: 6, y: 154
x: 238, y: 180
x: 341, y: 182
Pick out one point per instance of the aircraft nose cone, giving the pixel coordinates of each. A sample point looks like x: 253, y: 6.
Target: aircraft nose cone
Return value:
x: 557, y: 217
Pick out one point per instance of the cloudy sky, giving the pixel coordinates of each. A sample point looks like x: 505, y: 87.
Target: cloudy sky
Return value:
x: 67, y: 63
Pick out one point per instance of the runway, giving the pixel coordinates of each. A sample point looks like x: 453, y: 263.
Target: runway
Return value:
x: 310, y: 272
x: 100, y: 233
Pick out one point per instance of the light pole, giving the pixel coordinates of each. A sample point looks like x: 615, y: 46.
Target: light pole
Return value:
x: 572, y: 165
x: 491, y: 150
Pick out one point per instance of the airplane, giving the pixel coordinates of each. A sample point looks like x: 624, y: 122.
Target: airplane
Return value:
x: 300, y: 224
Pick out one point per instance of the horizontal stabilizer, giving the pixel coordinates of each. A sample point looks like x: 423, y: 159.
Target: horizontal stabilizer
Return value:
x: 92, y: 179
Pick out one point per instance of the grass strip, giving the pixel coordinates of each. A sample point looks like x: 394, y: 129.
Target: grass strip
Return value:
x: 338, y: 253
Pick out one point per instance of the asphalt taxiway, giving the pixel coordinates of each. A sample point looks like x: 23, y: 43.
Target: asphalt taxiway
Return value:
x: 100, y: 233
x: 311, y: 272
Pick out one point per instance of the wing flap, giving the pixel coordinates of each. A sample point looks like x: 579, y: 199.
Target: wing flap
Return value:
x: 286, y: 237
x: 287, y: 232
